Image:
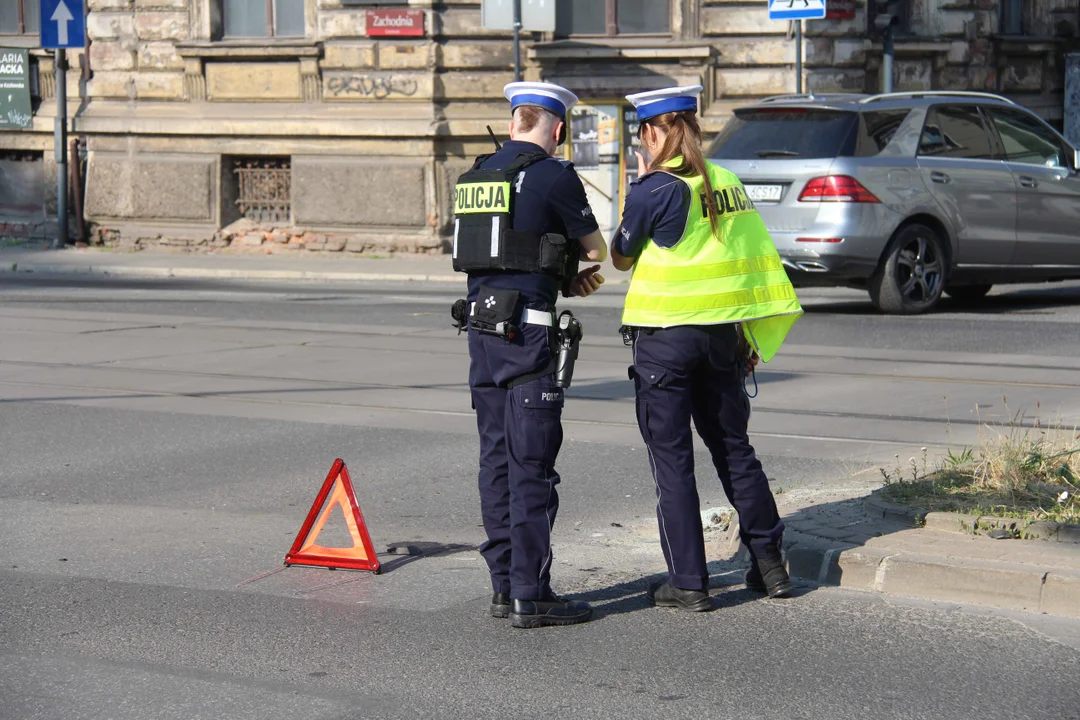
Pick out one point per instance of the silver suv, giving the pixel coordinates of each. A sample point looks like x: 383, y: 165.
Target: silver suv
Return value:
x: 909, y: 194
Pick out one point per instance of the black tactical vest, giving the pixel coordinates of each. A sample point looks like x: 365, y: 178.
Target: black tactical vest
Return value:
x: 484, y: 238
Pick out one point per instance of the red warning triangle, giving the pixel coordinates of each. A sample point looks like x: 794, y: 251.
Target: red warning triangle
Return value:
x: 361, y: 556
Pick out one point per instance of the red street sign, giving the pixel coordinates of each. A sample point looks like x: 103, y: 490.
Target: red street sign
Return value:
x: 382, y: 23
x: 840, y: 9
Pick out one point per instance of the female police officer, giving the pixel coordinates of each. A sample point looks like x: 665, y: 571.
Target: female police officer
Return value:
x: 706, y: 276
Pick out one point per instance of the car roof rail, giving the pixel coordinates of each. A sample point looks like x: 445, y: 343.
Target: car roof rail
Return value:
x: 797, y: 96
x: 935, y: 93
x: 807, y: 96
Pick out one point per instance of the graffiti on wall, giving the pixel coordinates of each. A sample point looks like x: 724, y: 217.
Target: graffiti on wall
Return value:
x: 376, y: 86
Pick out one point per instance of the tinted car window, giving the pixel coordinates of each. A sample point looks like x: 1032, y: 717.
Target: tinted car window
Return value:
x: 877, y: 130
x: 955, y: 132
x: 1026, y: 140
x: 786, y: 132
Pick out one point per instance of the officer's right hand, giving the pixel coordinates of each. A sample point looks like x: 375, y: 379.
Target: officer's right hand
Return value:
x: 586, y: 282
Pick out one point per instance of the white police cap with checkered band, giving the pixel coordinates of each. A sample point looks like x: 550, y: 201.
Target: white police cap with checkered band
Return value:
x: 551, y: 97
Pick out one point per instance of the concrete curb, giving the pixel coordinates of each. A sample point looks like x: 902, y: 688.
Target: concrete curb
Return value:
x: 891, y: 511
x: 1014, y: 586
x: 981, y: 525
x: 972, y: 524
x: 223, y: 273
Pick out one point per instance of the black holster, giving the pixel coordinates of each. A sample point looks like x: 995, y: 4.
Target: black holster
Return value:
x: 569, y: 335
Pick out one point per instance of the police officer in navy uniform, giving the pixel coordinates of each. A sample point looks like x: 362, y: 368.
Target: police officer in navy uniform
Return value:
x: 522, y: 221
x: 707, y: 297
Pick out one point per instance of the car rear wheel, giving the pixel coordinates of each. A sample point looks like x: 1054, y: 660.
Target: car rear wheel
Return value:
x: 911, y: 276
x: 967, y: 293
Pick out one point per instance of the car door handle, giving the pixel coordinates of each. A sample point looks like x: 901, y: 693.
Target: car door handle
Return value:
x: 940, y: 177
x: 1028, y: 182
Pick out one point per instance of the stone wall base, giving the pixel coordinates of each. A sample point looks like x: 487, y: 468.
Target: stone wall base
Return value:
x: 245, y: 236
x: 19, y: 231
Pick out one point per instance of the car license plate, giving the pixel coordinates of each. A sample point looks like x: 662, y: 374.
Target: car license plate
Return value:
x: 765, y: 193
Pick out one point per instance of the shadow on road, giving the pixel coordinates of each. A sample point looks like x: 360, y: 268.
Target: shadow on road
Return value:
x: 419, y: 549
x: 725, y: 586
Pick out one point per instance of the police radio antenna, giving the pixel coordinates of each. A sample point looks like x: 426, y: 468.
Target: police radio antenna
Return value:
x: 493, y: 138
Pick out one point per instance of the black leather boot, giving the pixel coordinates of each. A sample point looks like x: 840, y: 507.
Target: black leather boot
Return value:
x: 665, y: 595
x: 553, y: 610
x: 500, y: 605
x: 768, y: 576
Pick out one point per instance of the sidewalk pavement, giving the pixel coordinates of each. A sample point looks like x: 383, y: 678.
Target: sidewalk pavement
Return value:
x: 229, y: 266
x: 859, y: 543
x: 232, y: 265
x: 868, y: 544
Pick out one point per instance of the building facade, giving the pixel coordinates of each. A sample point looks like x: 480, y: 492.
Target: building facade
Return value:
x: 342, y: 125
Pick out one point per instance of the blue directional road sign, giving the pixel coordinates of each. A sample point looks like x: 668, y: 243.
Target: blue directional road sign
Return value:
x: 793, y: 9
x: 63, y: 24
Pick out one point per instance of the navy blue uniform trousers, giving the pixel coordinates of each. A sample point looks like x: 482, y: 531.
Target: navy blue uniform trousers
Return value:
x: 690, y: 372
x: 520, y: 436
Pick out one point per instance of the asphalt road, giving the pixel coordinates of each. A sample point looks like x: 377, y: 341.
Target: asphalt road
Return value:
x: 163, y: 440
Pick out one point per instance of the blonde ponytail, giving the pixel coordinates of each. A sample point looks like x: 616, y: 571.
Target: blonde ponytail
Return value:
x: 684, y: 140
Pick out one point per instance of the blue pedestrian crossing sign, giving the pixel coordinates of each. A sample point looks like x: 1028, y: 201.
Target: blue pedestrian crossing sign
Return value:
x: 63, y: 24
x: 793, y: 9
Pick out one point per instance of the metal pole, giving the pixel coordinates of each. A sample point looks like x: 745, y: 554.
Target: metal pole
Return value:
x: 798, y: 57
x: 77, y: 190
x: 887, y: 62
x: 60, y: 142
x: 517, y: 40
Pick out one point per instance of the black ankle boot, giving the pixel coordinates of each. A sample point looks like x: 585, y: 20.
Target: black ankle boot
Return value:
x: 768, y: 575
x: 500, y: 605
x: 552, y: 610
x: 666, y: 595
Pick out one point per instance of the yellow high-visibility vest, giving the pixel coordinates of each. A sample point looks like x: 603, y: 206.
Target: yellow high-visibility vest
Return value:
x: 707, y: 280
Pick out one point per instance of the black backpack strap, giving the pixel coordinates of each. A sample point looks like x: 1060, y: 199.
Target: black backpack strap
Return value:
x: 480, y: 161
x: 523, y: 161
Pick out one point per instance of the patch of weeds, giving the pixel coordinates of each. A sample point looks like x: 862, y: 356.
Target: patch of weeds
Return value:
x: 1019, y: 469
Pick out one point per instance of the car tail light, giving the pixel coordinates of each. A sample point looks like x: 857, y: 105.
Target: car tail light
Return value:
x: 819, y: 240
x: 836, y: 188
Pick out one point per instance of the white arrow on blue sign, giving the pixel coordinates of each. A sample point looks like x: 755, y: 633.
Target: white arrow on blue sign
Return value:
x: 796, y: 9
x: 63, y: 24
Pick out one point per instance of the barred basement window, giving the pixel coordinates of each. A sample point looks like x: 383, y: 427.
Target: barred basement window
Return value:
x: 22, y: 155
x: 264, y: 188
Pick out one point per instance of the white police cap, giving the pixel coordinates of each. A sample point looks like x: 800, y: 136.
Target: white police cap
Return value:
x: 540, y: 94
x: 657, y: 102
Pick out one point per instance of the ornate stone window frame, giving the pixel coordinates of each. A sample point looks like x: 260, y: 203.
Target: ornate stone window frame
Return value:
x: 196, y: 54
x: 205, y: 15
